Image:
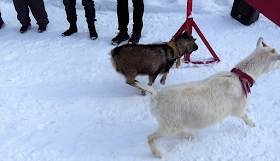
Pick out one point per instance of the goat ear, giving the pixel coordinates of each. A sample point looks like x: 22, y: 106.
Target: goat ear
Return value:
x: 194, y: 39
x: 264, y: 45
x: 259, y: 43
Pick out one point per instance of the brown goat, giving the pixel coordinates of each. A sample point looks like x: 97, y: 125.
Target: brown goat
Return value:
x: 131, y: 60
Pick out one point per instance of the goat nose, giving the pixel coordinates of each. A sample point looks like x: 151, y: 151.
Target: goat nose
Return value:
x: 195, y: 47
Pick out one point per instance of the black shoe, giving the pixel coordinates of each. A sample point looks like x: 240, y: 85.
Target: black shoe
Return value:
x: 73, y: 29
x: 135, y: 37
x: 42, y: 28
x: 122, y: 36
x: 92, y: 32
x: 2, y: 24
x: 24, y: 28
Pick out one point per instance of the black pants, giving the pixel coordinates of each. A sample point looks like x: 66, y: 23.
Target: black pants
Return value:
x: 70, y: 8
x: 1, y: 20
x: 123, y: 15
x: 37, y: 8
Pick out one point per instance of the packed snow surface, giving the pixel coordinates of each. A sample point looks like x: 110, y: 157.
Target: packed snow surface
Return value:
x: 61, y: 100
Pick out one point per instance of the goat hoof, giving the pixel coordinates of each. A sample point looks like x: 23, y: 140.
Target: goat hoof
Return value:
x: 143, y: 93
x: 187, y: 136
x: 162, y: 82
x: 252, y: 124
x: 157, y: 154
x: 190, y: 137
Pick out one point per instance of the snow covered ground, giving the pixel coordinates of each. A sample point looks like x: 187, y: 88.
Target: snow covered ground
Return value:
x: 60, y: 98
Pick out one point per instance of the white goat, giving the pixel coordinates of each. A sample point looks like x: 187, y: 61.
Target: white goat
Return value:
x: 197, y: 105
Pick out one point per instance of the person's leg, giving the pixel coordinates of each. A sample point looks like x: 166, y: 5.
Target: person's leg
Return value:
x: 70, y: 8
x: 1, y: 21
x: 138, y: 10
x: 90, y: 16
x: 123, y: 20
x: 38, y: 10
x: 22, y: 11
x: 123, y: 15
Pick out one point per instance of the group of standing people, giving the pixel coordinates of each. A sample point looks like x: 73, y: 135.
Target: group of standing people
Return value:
x: 37, y: 8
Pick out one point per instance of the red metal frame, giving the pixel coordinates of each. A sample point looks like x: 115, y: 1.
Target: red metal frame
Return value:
x: 270, y: 8
x: 188, y: 24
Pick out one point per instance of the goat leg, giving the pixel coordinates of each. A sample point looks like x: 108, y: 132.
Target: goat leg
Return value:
x: 163, y: 78
x: 151, y: 140
x: 151, y: 82
x: 131, y: 81
x: 248, y: 121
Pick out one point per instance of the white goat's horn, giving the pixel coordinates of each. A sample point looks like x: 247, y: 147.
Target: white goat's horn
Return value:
x: 260, y: 42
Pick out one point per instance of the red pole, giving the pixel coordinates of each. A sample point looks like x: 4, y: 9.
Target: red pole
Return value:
x: 180, y: 31
x: 189, y: 18
x: 205, y: 42
x: 189, y: 25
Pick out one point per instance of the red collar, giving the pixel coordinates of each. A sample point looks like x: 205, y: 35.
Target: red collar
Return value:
x: 245, y: 80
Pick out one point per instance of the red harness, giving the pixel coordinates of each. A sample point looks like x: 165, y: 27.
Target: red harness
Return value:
x: 245, y: 80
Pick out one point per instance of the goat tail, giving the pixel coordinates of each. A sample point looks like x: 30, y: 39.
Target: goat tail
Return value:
x: 148, y: 88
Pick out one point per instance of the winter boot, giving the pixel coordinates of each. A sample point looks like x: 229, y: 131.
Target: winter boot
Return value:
x: 2, y: 24
x: 42, y: 28
x: 92, y: 32
x: 135, y: 37
x: 24, y: 28
x: 73, y: 28
x: 122, y: 36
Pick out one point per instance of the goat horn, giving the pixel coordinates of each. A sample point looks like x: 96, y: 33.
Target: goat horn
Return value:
x: 259, y: 43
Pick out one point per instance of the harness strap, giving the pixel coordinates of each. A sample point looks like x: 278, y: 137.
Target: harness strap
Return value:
x: 176, y: 51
